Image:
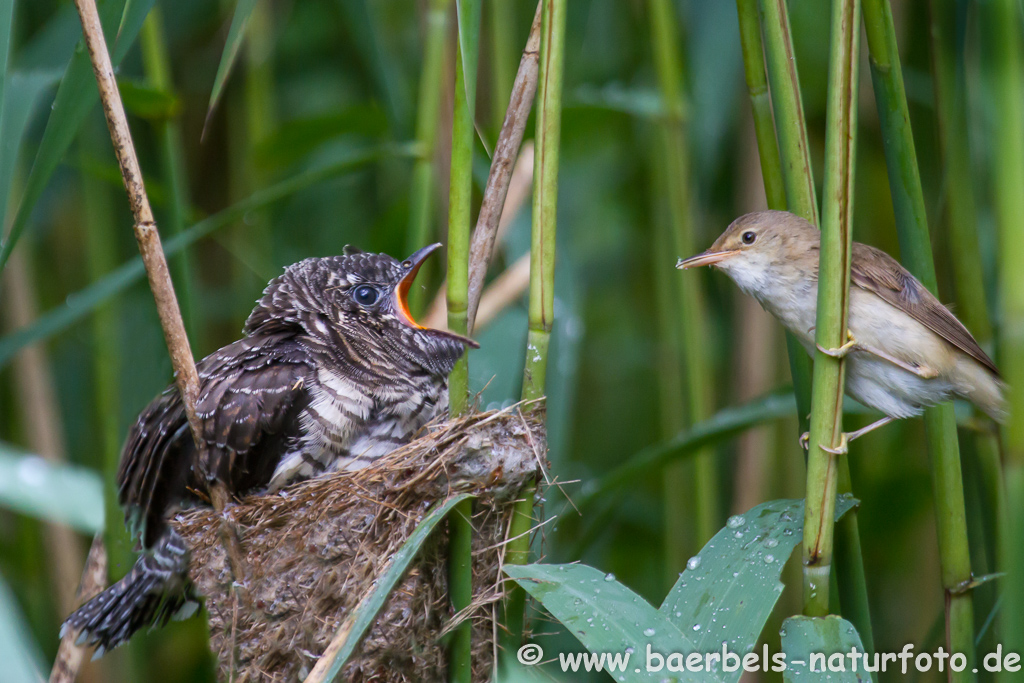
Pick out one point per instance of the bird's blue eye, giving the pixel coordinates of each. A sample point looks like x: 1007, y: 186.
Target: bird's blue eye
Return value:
x: 365, y: 295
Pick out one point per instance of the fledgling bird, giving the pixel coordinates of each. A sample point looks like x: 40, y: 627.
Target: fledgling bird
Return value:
x: 332, y: 373
x: 906, y: 350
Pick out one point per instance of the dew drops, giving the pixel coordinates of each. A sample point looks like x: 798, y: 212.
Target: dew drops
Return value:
x: 693, y: 563
x: 771, y: 543
x: 609, y: 577
x: 768, y: 559
x: 649, y: 632
x: 696, y: 627
x: 736, y: 521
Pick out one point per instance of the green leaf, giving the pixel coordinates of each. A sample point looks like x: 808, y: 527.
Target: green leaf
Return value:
x: 22, y: 91
x: 22, y: 662
x: 56, y: 493
x: 729, y: 589
x: 362, y: 617
x: 607, y: 617
x: 236, y: 33
x: 6, y: 22
x: 145, y: 101
x: 86, y: 300
x: 811, y: 641
x: 76, y: 96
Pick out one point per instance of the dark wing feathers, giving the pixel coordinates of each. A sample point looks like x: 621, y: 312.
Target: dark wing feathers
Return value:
x: 877, y: 272
x: 250, y: 395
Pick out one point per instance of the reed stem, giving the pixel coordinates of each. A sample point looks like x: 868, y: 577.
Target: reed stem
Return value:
x: 542, y: 278
x: 428, y: 109
x: 460, y: 527
x: 916, y: 250
x: 826, y: 438
x: 691, y: 317
x: 1005, y: 73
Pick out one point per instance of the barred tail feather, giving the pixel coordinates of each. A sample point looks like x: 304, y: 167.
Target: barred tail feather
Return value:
x: 156, y: 590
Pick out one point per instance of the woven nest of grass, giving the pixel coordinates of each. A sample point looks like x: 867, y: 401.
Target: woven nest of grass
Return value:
x: 309, y: 553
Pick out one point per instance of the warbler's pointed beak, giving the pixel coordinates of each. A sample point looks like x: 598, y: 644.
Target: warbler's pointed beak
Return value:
x: 708, y: 258
x: 411, y: 266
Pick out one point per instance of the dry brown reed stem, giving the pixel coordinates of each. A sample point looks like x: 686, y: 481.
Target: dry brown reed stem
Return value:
x: 145, y: 226
x: 94, y: 579
x: 505, y: 151
x: 44, y: 428
x: 518, y: 192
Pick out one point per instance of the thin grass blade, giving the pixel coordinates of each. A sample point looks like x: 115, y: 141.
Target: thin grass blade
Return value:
x: 22, y: 660
x: 236, y: 33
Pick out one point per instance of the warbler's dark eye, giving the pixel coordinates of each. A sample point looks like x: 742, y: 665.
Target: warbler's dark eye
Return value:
x: 365, y: 295
x: 749, y: 236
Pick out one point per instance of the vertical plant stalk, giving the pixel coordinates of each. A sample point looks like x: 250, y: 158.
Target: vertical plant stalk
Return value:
x: 915, y: 248
x: 157, y: 64
x: 1005, y: 67
x: 826, y: 437
x: 44, y: 428
x: 791, y: 129
x: 961, y: 221
x: 428, y: 109
x: 148, y: 238
x: 503, y: 23
x: 506, y: 151
x: 691, y: 316
x: 542, y: 278
x: 792, y: 133
x: 460, y: 528
x: 70, y: 656
x: 146, y: 233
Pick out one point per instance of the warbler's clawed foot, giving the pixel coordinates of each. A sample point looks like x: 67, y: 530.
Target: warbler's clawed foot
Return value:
x: 840, y: 352
x: 841, y: 449
x: 805, y: 440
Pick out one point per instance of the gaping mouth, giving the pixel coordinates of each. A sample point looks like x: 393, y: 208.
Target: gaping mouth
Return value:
x: 411, y: 266
x: 708, y: 258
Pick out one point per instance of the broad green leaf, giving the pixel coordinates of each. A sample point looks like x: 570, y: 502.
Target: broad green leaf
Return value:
x: 362, y: 617
x: 76, y: 96
x: 729, y: 589
x: 83, y: 302
x: 22, y: 662
x: 56, y: 493
x: 236, y: 33
x: 810, y: 643
x: 607, y: 617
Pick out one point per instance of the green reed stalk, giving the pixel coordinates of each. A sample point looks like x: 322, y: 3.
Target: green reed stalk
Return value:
x: 460, y: 195
x: 157, y: 64
x: 916, y: 250
x: 761, y: 104
x: 1005, y: 67
x: 691, y: 316
x: 833, y: 291
x: 791, y: 129
x: 950, y: 87
x: 542, y: 277
x: 503, y: 56
x: 795, y: 161
x: 428, y: 108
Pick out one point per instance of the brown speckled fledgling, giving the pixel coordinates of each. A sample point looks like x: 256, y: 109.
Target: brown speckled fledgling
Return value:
x: 332, y: 373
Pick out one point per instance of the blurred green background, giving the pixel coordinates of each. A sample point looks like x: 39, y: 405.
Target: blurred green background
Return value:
x: 318, y: 82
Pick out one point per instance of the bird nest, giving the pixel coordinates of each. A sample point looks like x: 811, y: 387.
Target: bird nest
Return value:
x: 309, y: 553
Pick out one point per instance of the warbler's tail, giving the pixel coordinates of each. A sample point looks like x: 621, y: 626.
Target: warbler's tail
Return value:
x: 154, y: 591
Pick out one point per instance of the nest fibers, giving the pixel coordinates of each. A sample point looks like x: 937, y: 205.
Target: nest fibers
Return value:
x: 311, y: 552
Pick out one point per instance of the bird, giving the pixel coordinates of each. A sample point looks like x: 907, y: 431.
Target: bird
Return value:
x: 332, y: 372
x: 905, y: 351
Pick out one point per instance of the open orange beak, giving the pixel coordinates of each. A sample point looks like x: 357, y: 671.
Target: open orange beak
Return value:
x: 411, y: 266
x: 708, y: 258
